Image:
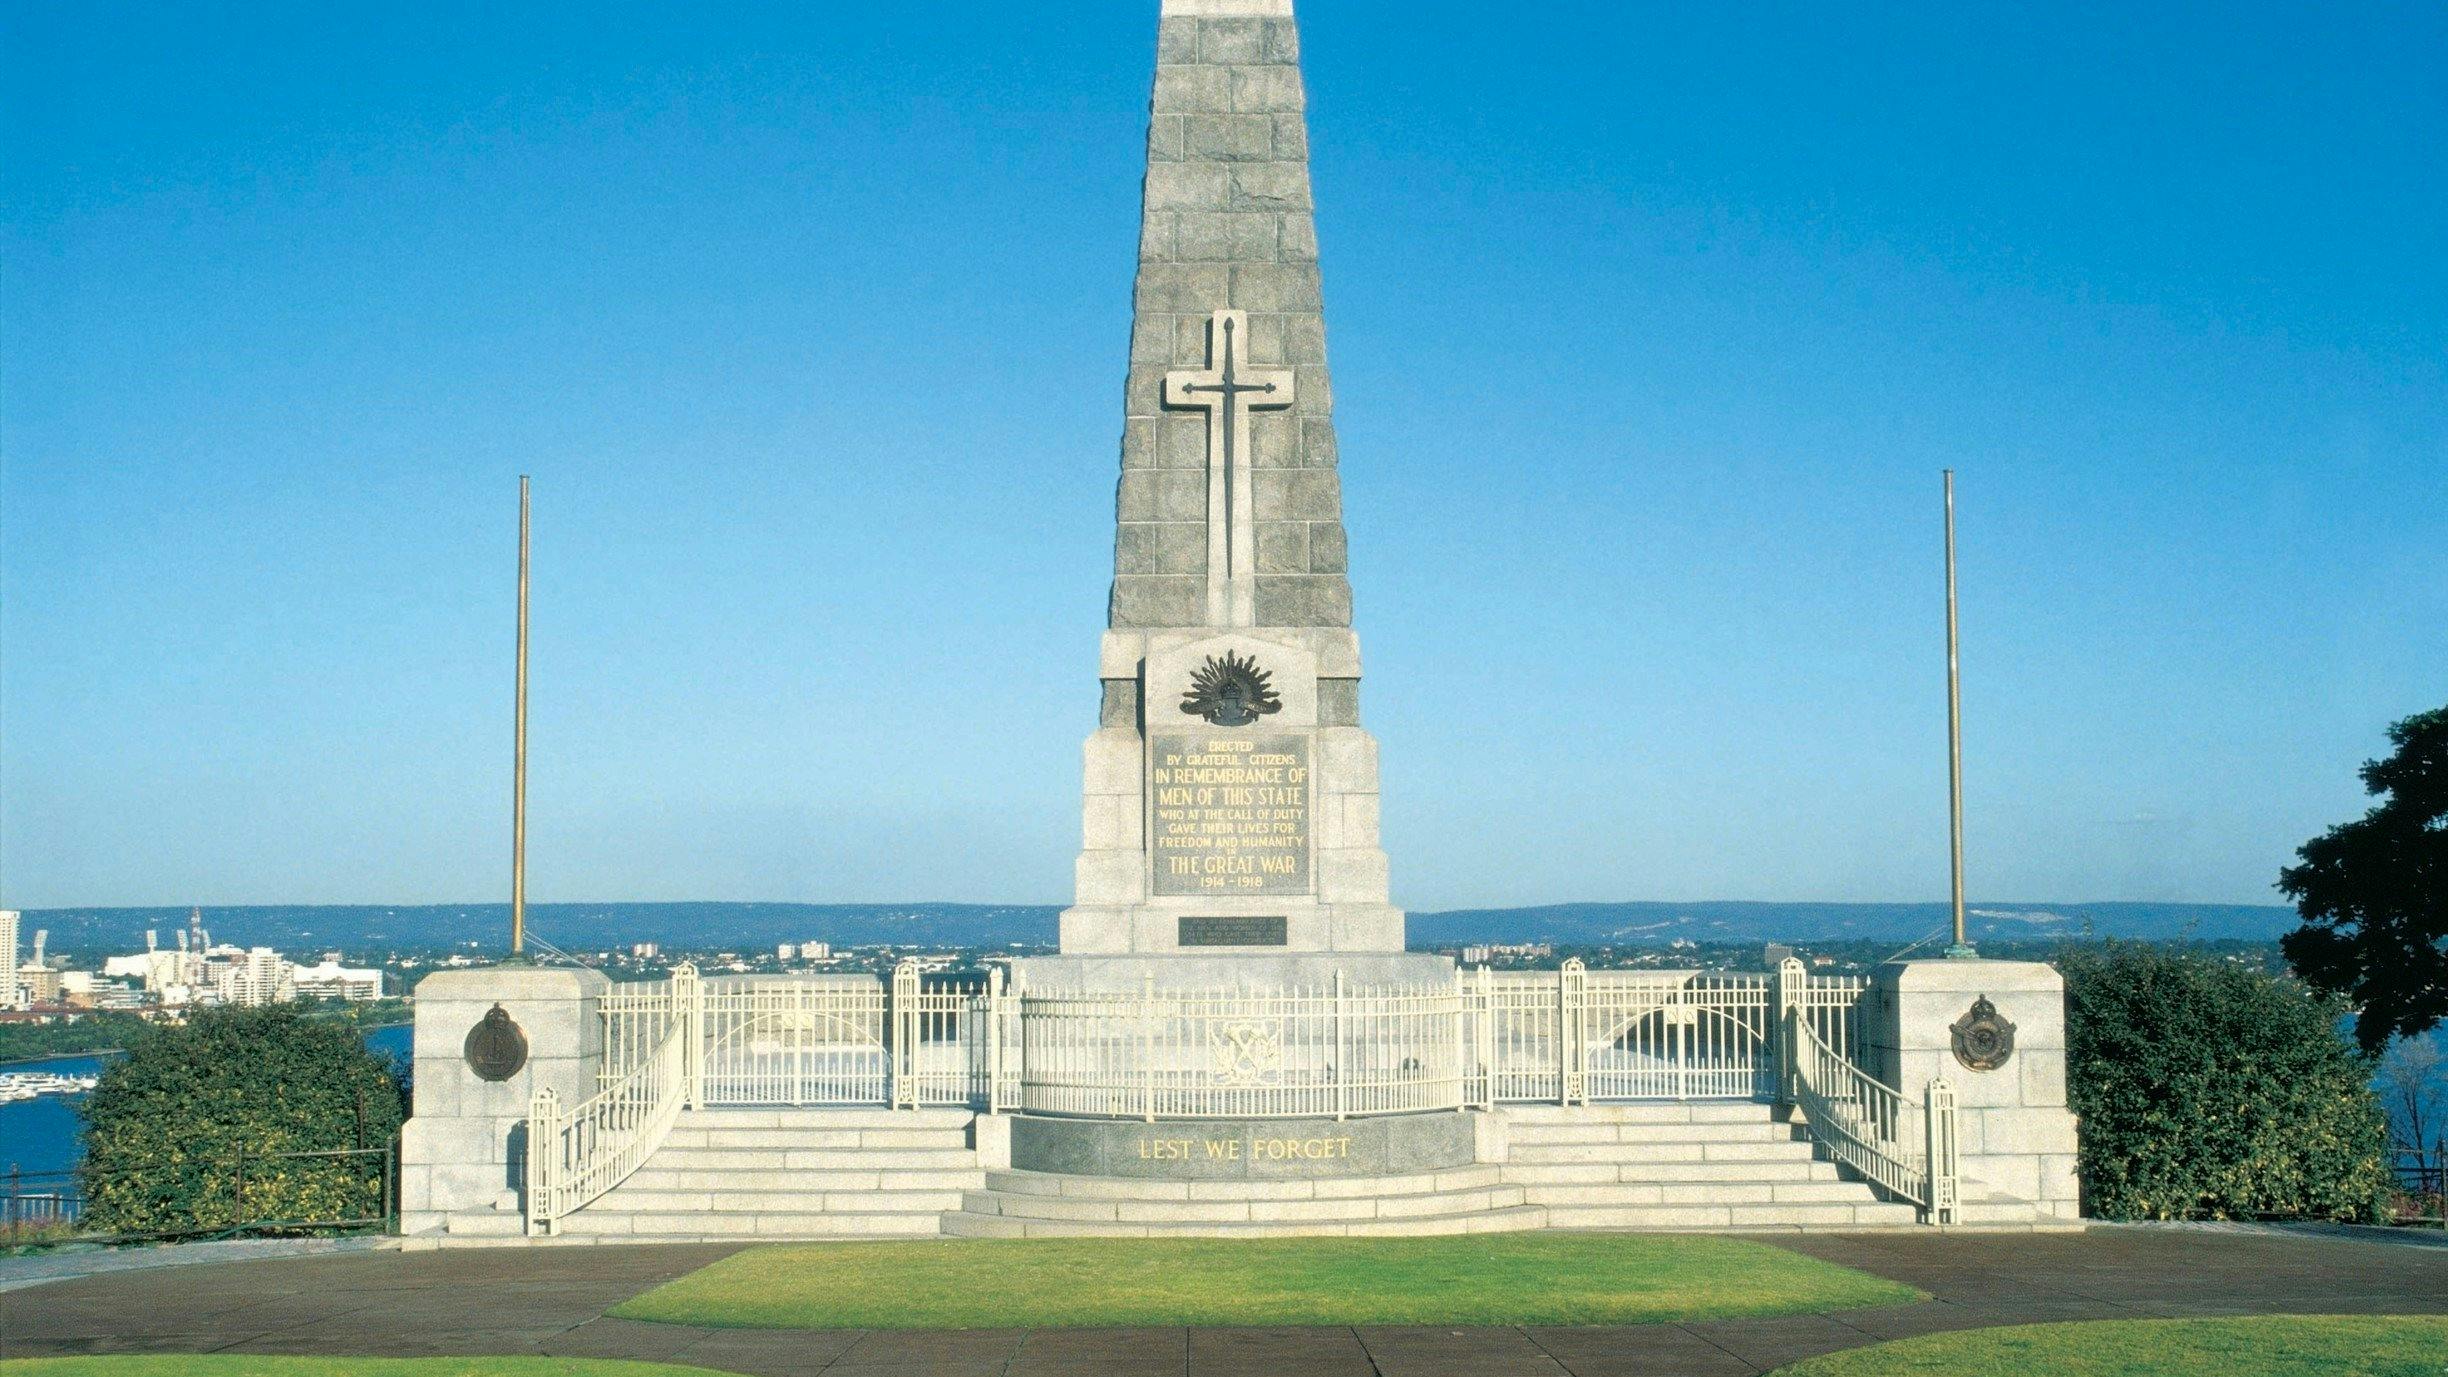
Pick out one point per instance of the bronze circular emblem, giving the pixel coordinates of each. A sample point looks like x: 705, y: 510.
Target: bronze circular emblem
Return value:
x: 1983, y: 1037
x: 496, y: 1047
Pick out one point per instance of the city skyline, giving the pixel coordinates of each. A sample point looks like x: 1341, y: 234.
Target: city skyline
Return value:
x: 292, y: 309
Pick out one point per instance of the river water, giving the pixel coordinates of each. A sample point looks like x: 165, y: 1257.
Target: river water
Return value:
x: 41, y: 1135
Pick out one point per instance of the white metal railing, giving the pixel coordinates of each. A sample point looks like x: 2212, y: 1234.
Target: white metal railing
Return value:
x: 575, y: 1155
x: 1904, y: 1147
x: 1564, y: 1036
x: 1334, y: 1051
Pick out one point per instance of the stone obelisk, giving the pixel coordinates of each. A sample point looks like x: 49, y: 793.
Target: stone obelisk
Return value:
x: 1231, y: 794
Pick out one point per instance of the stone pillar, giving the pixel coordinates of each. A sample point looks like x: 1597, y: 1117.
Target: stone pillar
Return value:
x: 2016, y: 1135
x: 462, y: 1152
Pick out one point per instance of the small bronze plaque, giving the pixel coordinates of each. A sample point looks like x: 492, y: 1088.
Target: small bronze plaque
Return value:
x: 1234, y: 932
x: 496, y: 1047
x: 1984, y: 1039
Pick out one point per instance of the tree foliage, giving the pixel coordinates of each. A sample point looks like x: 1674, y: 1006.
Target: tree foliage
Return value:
x: 2374, y: 893
x: 2208, y: 1089
x: 177, y: 1126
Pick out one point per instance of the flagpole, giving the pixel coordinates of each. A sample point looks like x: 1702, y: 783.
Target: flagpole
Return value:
x: 518, y: 768
x: 1955, y: 851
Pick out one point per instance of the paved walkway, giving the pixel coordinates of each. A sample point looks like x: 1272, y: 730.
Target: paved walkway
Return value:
x: 552, y: 1301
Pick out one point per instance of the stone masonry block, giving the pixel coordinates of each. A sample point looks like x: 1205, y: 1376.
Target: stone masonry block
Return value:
x: 1275, y: 287
x: 1347, y: 762
x: 1303, y: 600
x: 1273, y: 441
x: 1263, y: 91
x: 1318, y: 446
x: 1188, y: 186
x: 1120, y: 704
x: 1156, y: 237
x: 1110, y: 822
x: 1316, y: 392
x: 1195, y: 91
x: 1360, y: 819
x: 1173, y: 547
x: 1177, y: 41
x: 1338, y: 702
x: 1183, y: 287
x: 1158, y: 600
x: 1232, y: 41
x: 1355, y: 875
x: 1282, y: 40
x: 1111, y: 877
x: 1181, y: 442
x: 1305, y: 339
x: 1225, y: 237
x: 1292, y: 138
x: 1327, y: 552
x: 1143, y: 395
x: 1170, y: 495
x: 1300, y: 239
x: 1152, y: 339
x: 1275, y: 186
x: 1283, y: 547
x: 1229, y: 138
x: 1165, y: 139
x: 1266, y: 342
x: 1189, y: 341
x: 1293, y: 495
x: 1139, y: 442
x: 1110, y: 763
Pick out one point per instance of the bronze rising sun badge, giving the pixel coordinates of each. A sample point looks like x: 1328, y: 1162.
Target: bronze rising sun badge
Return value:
x: 1230, y: 691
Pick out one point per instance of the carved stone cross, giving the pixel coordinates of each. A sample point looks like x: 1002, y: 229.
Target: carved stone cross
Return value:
x: 1228, y: 390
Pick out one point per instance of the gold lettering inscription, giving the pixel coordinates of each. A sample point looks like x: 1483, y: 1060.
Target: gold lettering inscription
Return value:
x: 1229, y: 814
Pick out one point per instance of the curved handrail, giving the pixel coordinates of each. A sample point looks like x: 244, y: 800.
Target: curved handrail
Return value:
x: 1873, y: 1127
x: 574, y: 1156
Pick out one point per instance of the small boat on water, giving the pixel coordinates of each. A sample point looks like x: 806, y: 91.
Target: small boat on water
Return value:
x: 30, y: 1085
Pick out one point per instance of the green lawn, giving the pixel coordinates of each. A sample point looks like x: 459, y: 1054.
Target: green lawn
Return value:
x: 2263, y: 1346
x: 229, y: 1365
x: 1535, y: 1278
x: 246, y: 1365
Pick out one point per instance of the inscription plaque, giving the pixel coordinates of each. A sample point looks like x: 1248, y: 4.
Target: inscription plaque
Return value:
x: 1234, y: 932
x: 1228, y: 813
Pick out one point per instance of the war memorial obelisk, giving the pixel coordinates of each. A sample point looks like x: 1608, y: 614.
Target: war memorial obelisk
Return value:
x: 1230, y: 803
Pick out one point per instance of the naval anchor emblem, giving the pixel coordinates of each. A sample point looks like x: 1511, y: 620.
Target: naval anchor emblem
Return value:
x: 1983, y: 1037
x: 1230, y: 691
x: 496, y: 1047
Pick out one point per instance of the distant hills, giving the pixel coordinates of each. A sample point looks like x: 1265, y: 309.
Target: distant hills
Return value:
x: 746, y: 927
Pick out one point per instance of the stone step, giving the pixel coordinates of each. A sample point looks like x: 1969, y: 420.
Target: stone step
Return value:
x: 712, y: 1224
x: 1134, y: 1188
x: 657, y: 1176
x: 1761, y: 1131
x: 1785, y: 1151
x: 1344, y: 1210
x: 1587, y: 1173
x: 813, y: 1159
x: 784, y: 1139
x: 1645, y: 1112
x: 1703, y: 1193
x: 786, y: 1117
x: 966, y: 1225
x: 1762, y: 1217
x: 624, y: 1198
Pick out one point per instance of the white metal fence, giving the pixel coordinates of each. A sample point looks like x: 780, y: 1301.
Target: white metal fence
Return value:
x: 1565, y: 1036
x: 1903, y: 1146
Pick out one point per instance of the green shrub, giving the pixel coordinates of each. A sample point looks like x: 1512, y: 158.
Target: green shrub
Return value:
x: 2211, y: 1090
x: 175, y: 1126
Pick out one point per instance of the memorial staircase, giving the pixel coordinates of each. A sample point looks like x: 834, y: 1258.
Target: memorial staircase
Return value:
x: 732, y: 1174
x: 1714, y: 1165
x: 792, y: 1173
x: 1457, y: 1200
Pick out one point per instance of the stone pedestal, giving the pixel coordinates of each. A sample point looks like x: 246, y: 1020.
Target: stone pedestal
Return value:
x: 462, y: 1153
x: 2016, y: 1135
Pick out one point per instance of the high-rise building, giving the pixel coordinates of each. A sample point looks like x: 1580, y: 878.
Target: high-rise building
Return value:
x: 786, y: 951
x: 8, y: 958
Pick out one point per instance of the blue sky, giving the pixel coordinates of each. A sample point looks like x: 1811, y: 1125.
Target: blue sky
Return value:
x: 1652, y: 324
